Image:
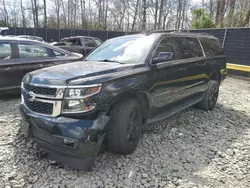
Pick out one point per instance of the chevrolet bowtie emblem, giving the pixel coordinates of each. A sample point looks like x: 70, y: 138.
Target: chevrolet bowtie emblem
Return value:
x: 31, y: 96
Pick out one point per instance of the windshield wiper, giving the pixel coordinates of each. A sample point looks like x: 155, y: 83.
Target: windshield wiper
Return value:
x: 108, y: 60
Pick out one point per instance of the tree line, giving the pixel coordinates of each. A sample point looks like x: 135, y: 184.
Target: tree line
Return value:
x: 124, y: 15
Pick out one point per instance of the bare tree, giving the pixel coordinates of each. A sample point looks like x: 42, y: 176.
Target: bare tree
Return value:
x: 135, y: 14
x: 5, y: 12
x: 156, y: 13
x: 144, y: 7
x: 160, y: 13
x: 220, y: 11
x: 36, y: 12
x: 23, y: 13
x: 83, y: 21
x: 45, y: 13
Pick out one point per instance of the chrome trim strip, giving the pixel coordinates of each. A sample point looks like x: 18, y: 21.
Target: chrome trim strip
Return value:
x: 83, y: 86
x: 195, y: 84
x: 47, y: 86
x: 56, y: 111
x: 204, y: 55
x: 63, y: 87
x: 59, y: 93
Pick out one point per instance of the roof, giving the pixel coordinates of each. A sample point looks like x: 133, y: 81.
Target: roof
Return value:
x: 11, y: 38
x: 156, y: 34
x: 76, y: 37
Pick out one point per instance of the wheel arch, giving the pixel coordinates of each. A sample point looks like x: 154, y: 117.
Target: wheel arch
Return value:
x: 216, y: 76
x: 141, y: 97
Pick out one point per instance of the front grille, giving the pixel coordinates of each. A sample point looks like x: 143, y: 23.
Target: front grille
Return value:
x: 37, y: 106
x: 40, y: 90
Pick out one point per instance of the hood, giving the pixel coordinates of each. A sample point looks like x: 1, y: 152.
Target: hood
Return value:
x: 62, y: 74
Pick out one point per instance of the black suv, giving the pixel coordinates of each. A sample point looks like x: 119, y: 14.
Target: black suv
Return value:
x: 79, y: 44
x: 127, y: 82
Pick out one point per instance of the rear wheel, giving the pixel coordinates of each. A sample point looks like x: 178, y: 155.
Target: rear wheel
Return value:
x: 211, y: 96
x: 125, y: 127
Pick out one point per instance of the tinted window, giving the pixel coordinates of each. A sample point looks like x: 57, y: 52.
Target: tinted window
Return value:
x: 89, y: 42
x: 169, y: 45
x: 5, y: 50
x: 72, y: 42
x: 191, y: 48
x: 129, y: 49
x: 98, y: 42
x: 31, y: 51
x: 211, y: 46
x: 59, y: 54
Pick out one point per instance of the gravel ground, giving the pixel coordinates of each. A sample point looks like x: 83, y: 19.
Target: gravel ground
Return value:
x: 191, y: 149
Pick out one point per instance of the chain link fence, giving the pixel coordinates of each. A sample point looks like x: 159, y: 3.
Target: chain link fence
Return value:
x: 49, y: 35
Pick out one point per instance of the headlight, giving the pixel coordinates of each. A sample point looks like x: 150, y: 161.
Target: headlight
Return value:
x: 82, y: 92
x: 76, y: 100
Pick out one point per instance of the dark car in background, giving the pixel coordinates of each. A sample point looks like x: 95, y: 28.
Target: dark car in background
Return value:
x: 79, y: 44
x: 30, y: 37
x: 20, y: 56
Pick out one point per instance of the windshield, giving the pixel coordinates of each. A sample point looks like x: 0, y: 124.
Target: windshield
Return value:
x: 129, y: 49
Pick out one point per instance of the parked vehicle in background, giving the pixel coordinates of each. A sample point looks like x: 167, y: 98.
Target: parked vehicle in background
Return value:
x: 19, y: 56
x: 31, y: 37
x: 79, y: 44
x: 124, y: 84
x: 4, y: 31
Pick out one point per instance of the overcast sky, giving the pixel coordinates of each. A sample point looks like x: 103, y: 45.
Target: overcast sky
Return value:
x: 196, y: 1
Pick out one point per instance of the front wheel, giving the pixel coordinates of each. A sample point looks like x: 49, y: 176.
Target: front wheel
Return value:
x: 125, y: 128
x: 211, y: 96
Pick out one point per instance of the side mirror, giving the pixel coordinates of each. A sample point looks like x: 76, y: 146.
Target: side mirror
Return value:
x: 163, y: 56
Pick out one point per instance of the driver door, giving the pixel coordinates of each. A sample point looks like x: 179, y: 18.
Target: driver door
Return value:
x: 169, y: 85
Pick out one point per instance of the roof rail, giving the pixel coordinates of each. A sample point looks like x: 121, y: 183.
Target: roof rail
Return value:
x: 175, y: 31
x: 159, y: 31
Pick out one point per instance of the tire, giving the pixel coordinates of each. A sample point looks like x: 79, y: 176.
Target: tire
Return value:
x: 211, y: 96
x: 125, y: 127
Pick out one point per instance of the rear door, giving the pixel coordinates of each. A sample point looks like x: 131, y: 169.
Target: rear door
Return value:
x: 10, y: 69
x: 194, y: 58
x: 33, y: 56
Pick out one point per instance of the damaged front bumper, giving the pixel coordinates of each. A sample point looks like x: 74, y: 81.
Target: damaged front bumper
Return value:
x: 73, y: 142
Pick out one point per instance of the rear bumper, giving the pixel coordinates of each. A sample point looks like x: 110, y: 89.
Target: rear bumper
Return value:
x: 73, y: 142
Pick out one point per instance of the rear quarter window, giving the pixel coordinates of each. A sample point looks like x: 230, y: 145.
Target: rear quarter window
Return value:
x: 89, y: 42
x: 190, y: 48
x: 211, y: 47
x: 72, y: 42
x: 5, y: 50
